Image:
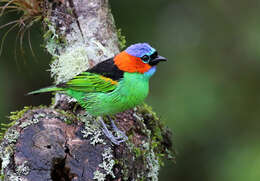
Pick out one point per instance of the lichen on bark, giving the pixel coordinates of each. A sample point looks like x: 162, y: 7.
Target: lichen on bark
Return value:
x: 62, y: 141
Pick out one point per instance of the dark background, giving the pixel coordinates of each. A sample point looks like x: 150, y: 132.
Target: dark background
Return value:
x: 207, y: 93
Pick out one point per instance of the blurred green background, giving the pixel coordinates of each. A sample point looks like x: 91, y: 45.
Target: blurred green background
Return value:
x: 207, y: 93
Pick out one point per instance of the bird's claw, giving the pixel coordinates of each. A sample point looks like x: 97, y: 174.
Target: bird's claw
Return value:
x: 121, y: 137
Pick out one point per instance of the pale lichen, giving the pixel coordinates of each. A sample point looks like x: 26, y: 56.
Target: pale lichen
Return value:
x: 52, y: 39
x: 7, y: 148
x: 106, y: 165
x: 61, y: 96
x: 91, y: 130
x: 51, y: 47
x: 5, y: 155
x: 23, y: 169
x: 10, y: 176
x: 70, y: 63
x: 77, y: 56
x: 34, y: 120
x: 152, y: 163
x: 14, y: 177
x: 76, y: 59
x: 108, y: 162
x: 11, y: 135
x: 99, y: 176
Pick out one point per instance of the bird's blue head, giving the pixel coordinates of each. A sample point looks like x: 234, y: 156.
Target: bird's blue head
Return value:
x: 145, y: 52
x: 140, y: 49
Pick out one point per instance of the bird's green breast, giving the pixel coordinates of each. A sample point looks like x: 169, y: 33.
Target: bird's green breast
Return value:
x: 131, y: 91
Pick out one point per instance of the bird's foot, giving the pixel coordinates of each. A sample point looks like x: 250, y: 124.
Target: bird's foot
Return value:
x: 121, y: 137
x: 120, y: 134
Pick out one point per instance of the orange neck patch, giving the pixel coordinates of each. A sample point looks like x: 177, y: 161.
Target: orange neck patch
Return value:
x: 129, y: 63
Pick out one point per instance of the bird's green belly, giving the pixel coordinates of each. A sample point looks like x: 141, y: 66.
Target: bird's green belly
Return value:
x: 131, y: 91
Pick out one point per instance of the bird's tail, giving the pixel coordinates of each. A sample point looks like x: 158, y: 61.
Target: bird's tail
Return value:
x: 46, y: 89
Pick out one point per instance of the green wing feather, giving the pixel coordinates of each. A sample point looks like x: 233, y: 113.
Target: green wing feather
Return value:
x: 91, y: 82
x: 46, y: 89
x: 84, y: 82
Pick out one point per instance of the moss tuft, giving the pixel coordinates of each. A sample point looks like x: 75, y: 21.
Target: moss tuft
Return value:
x: 69, y: 117
x: 2, y: 177
x: 121, y: 39
x: 53, y: 42
x: 11, y: 134
x: 148, y: 156
x: 18, y: 114
x: 4, y: 128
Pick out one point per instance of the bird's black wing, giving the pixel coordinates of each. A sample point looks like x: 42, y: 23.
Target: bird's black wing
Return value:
x: 105, y: 73
x: 108, y: 69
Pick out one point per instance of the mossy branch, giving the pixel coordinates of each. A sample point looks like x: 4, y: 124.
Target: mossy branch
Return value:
x: 62, y: 142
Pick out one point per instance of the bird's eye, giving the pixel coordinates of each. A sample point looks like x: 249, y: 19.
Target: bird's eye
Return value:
x: 145, y: 58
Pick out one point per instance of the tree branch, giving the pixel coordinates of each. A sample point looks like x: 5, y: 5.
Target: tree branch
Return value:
x: 62, y: 142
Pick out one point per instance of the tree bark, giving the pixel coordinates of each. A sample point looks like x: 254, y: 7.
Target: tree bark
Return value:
x: 62, y: 142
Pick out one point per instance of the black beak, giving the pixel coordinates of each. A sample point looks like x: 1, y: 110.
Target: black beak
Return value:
x: 157, y: 60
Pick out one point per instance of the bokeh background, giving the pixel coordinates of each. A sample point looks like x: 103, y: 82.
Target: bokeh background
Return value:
x: 207, y: 93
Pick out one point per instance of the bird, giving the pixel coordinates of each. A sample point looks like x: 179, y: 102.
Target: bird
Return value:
x: 113, y: 85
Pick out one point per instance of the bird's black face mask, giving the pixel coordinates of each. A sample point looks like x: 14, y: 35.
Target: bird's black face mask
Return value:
x: 153, y: 59
x: 156, y: 60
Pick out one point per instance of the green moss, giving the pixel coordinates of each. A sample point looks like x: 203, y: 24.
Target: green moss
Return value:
x: 52, y: 40
x: 53, y: 100
x: 18, y: 114
x: 142, y: 179
x: 158, y: 132
x: 149, y: 155
x: 2, y: 177
x: 148, y: 110
x: 68, y: 121
x: 15, y: 115
x: 51, y: 34
x: 138, y: 152
x: 121, y: 39
x: 4, y: 127
x: 47, y: 35
x: 70, y: 11
x: 69, y: 117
